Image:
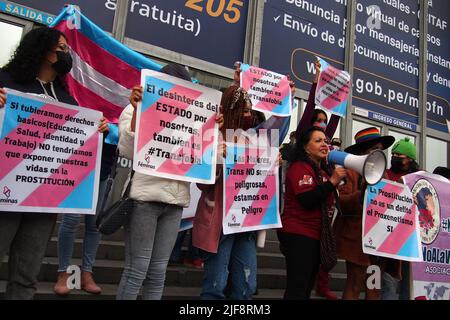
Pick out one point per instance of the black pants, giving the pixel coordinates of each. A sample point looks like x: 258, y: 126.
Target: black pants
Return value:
x: 302, y: 264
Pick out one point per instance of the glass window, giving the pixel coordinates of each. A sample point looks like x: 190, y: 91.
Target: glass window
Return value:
x: 436, y: 154
x: 10, y: 36
x: 398, y: 135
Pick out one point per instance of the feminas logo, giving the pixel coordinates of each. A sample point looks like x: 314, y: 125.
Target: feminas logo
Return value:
x: 7, y: 194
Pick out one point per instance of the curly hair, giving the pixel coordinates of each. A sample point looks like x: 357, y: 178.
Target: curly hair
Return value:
x: 27, y: 60
x: 234, y: 100
x: 298, y: 153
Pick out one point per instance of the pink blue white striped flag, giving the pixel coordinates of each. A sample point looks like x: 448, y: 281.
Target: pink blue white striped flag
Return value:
x: 104, y: 70
x: 250, y: 184
x: 48, y: 152
x: 176, y: 129
x: 390, y: 222
x: 332, y: 89
x: 268, y: 91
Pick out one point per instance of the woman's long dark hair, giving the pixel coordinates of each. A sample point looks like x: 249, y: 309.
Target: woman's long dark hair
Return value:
x: 27, y: 60
x: 315, y: 115
x: 233, y: 103
x: 298, y: 153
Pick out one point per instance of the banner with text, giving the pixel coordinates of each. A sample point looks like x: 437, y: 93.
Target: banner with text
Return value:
x: 332, y: 89
x: 250, y: 184
x: 390, y: 222
x: 176, y: 129
x: 50, y: 156
x: 268, y: 91
x: 431, y: 278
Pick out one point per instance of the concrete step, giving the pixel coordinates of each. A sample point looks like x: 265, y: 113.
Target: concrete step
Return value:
x: 109, y: 291
x: 110, y: 271
x: 114, y: 250
x: 117, y: 236
x: 271, y: 244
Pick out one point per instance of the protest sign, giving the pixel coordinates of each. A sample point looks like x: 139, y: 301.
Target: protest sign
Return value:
x: 431, y: 278
x: 176, y: 129
x: 332, y: 89
x: 250, y: 184
x: 268, y: 91
x: 50, y: 156
x: 390, y: 222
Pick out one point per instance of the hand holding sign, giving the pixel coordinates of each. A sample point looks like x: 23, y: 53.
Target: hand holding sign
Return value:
x: 333, y: 88
x: 269, y: 91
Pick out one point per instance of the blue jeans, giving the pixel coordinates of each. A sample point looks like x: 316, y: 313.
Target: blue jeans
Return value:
x: 193, y: 252
x: 150, y: 234
x: 67, y: 231
x: 236, y: 256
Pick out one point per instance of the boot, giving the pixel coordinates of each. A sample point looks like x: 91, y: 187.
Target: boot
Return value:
x: 60, y: 287
x: 88, y: 284
x: 323, y: 286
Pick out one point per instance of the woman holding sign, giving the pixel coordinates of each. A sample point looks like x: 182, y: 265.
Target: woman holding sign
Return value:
x: 37, y: 66
x: 231, y: 255
x: 310, y: 189
x: 151, y: 228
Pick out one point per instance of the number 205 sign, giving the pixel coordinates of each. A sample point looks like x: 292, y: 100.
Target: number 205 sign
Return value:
x: 193, y: 27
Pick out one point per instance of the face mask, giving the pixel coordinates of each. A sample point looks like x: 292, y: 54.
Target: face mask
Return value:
x: 322, y: 125
x: 247, y: 123
x: 396, y: 164
x: 64, y: 63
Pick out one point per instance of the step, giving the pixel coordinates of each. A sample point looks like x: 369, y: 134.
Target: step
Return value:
x: 109, y: 291
x: 110, y: 271
x: 117, y: 236
x: 114, y: 250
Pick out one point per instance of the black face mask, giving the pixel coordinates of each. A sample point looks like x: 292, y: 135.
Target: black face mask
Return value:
x: 64, y: 63
x: 396, y: 164
x: 247, y: 122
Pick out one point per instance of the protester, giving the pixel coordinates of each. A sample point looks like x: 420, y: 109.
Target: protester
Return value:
x: 152, y: 227
x: 442, y: 171
x: 233, y: 253
x: 36, y: 67
x: 309, y: 184
x: 69, y: 226
x: 318, y: 118
x: 395, y: 273
x: 348, y: 226
x: 192, y: 257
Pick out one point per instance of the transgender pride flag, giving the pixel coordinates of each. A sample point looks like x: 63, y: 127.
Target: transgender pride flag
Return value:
x: 250, y: 184
x: 104, y: 70
x: 333, y: 89
x: 268, y: 91
x: 49, y: 155
x: 390, y: 222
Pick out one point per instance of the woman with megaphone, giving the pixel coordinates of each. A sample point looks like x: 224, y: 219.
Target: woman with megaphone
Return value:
x: 348, y: 226
x: 309, y: 201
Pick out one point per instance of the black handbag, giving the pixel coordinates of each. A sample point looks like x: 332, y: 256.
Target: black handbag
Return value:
x: 111, y: 219
x: 328, y: 254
